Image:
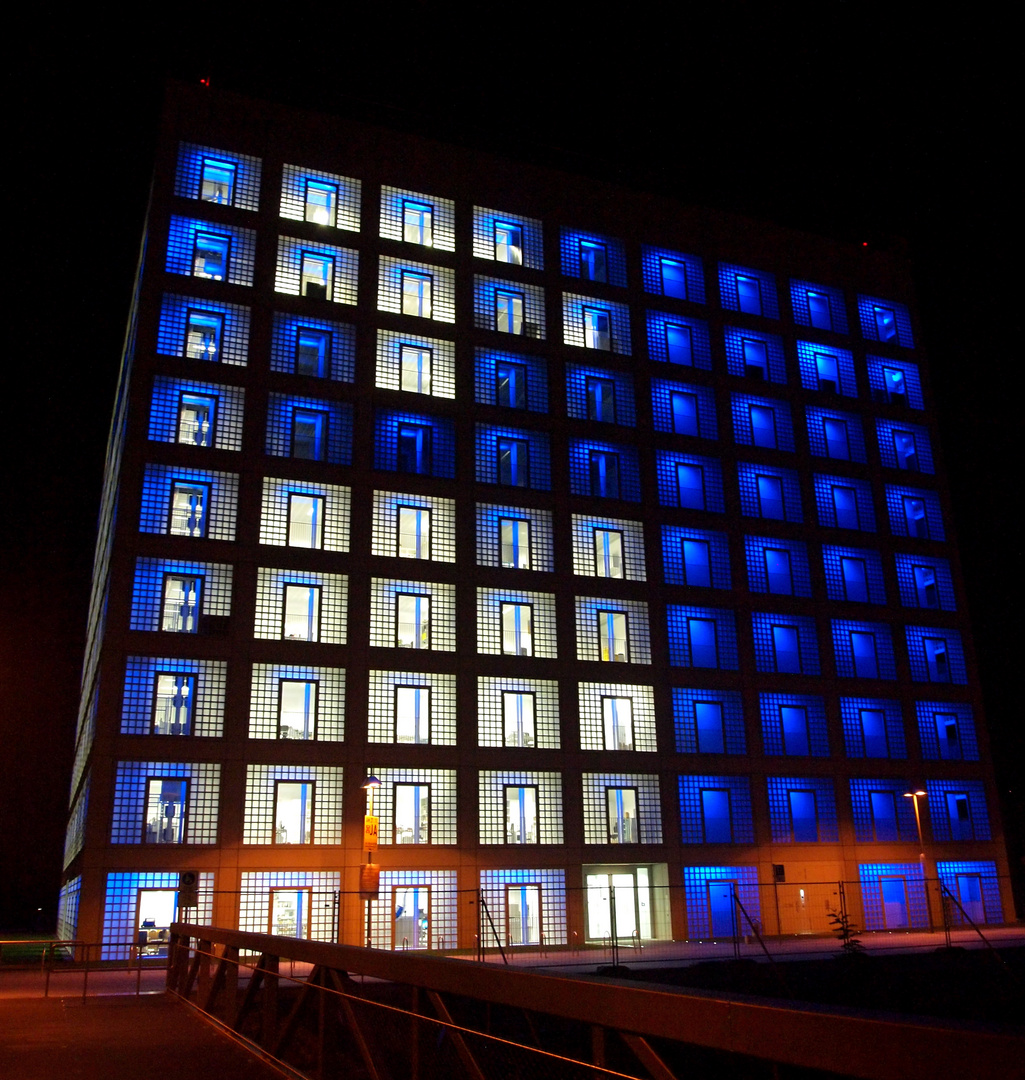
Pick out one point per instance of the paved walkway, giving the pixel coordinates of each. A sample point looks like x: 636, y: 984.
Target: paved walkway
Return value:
x: 118, y: 1038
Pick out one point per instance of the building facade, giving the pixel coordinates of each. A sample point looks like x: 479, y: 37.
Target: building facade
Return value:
x: 609, y: 535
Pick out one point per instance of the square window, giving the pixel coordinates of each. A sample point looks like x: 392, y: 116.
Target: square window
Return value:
x: 906, y: 451
x: 621, y: 806
x: 211, y: 253
x: 508, y: 312
x: 312, y: 352
x: 517, y: 629
x: 601, y: 399
x: 679, y: 344
x: 818, y: 311
x: 412, y: 714
x: 704, y: 651
x: 763, y: 425
x: 309, y: 434
x: 685, y: 412
x: 166, y: 803
x: 866, y: 660
x: 293, y: 812
x: 597, y: 329
x: 608, y: 553
x: 416, y: 294
x: 412, y: 814
x: 197, y: 417
x: 715, y: 813
x: 827, y: 372
x: 845, y: 506
x: 511, y: 385
x: 414, y: 532
x: 613, y: 637
x: 204, y: 332
x: 508, y: 243
x: 770, y: 497
x: 794, y: 721
x: 604, y: 474
x: 513, y: 462
x: 886, y: 324
x: 218, y: 182
x: 301, y: 613
x: 305, y: 520
x: 914, y: 516
x: 690, y: 484
x: 756, y: 358
x: 803, y: 817
x: 414, y: 444
x: 412, y: 621
x: 417, y: 223
x: 855, y: 579
x: 697, y: 564
x: 884, y: 815
x: 518, y: 710
x: 297, y: 709
x: 708, y: 719
x: 674, y: 278
x: 618, y: 723
x: 321, y: 202
x: 190, y: 504
x: 873, y: 730
x: 316, y: 276
x: 520, y: 814
x: 183, y: 594
x: 926, y: 591
x: 749, y: 294
x: 936, y: 659
x: 415, y: 365
x: 837, y: 443
x: 174, y: 699
x: 786, y: 646
x: 777, y: 571
x: 514, y: 543
x: 593, y: 261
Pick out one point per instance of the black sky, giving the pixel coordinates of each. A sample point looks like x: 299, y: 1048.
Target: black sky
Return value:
x: 862, y: 122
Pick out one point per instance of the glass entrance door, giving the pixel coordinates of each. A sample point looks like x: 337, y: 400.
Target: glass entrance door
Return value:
x: 630, y: 890
x: 969, y: 893
x: 895, y: 902
x: 412, y: 926
x: 523, y: 914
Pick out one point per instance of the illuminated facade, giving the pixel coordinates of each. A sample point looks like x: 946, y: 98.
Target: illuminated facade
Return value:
x: 399, y: 475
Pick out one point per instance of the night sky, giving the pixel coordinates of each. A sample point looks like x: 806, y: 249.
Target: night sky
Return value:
x: 854, y: 121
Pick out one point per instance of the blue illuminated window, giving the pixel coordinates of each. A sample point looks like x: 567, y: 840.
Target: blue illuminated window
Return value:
x: 217, y: 182
x: 885, y: 321
x: 708, y: 721
x: 690, y: 481
x: 309, y: 434
x: 321, y: 202
x: 785, y: 643
x: 873, y: 731
x: 762, y: 422
x: 715, y: 816
x: 777, y: 571
x: 604, y: 466
x: 695, y: 557
x: 747, y: 290
x: 755, y: 355
x: 826, y: 369
x: 182, y: 603
x: 904, y: 446
x: 818, y: 306
x: 601, y: 399
x: 508, y: 243
x: 414, y: 449
x: 895, y: 382
x: 936, y: 655
x: 417, y: 221
x: 508, y: 312
x: 678, y: 344
x: 697, y: 566
x: 312, y: 352
x: 763, y: 425
x: 872, y: 728
x: 914, y: 513
x: 844, y: 503
x: 959, y: 810
x: 416, y: 294
x: 673, y: 273
x: 709, y: 727
x: 975, y: 887
x: 189, y: 509
x: 777, y: 566
x: 593, y: 261
x: 715, y: 810
x: 925, y: 582
x: 794, y: 725
x: 703, y: 649
x: 756, y: 358
x: 684, y: 408
x: 415, y: 369
x: 597, y: 328
x: 863, y: 650
x: 593, y: 257
x: 786, y: 649
x: 513, y: 462
x: 702, y: 637
x: 749, y: 294
x: 674, y: 278
x: 204, y: 332
x: 197, y: 417
x: 770, y: 497
x: 510, y: 384
x: 936, y: 659
x: 210, y: 255
x: 678, y: 340
x: 866, y: 660
x: 946, y: 731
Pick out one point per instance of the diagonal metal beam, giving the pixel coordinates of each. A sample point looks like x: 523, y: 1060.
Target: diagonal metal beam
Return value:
x: 354, y: 1026
x: 465, y: 1054
x: 647, y: 1057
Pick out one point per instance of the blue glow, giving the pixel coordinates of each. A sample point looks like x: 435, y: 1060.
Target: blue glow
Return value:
x: 925, y: 582
x: 486, y: 240
x: 486, y: 294
x: 767, y: 491
x: 794, y: 725
x: 672, y: 273
x: 836, y: 435
x: 885, y: 321
x: 936, y: 655
x: 199, y: 163
x: 708, y: 566
x: 751, y: 291
x: 946, y: 731
x: 291, y: 353
x: 227, y: 344
x: 872, y: 727
x: 580, y: 468
x: 708, y: 721
x: 777, y: 566
x: 539, y: 473
x: 584, y: 388
x: 904, y: 446
x: 702, y: 637
x: 844, y: 503
x: 693, y: 824
x: 976, y: 887
x: 785, y: 643
x: 575, y: 325
x: 755, y: 355
x: 281, y: 416
x: 914, y: 512
x: 958, y: 819
x: 761, y: 421
x: 882, y: 820
x: 817, y: 822
x: 683, y: 408
x: 854, y: 574
x: 701, y: 881
x: 185, y: 257
x: 896, y: 382
x: 441, y: 457
x: 893, y: 895
x: 826, y: 368
x: 706, y: 485
x: 818, y: 305
x: 677, y: 340
x: 614, y: 256
x: 863, y: 650
x: 534, y: 394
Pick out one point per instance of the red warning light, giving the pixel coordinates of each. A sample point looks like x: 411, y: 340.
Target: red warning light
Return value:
x: 205, y: 81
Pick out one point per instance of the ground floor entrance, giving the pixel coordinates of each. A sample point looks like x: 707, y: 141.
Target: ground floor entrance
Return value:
x: 626, y: 902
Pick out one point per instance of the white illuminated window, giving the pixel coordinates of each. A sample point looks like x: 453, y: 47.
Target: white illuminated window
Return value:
x: 416, y: 294
x: 597, y: 329
x: 413, y: 621
x: 412, y: 714
x: 612, y: 636
x: 182, y: 597
x: 293, y: 812
x: 608, y: 553
x: 517, y: 630
x: 621, y: 805
x: 316, y: 276
x: 618, y: 721
x: 508, y: 243
x: 297, y: 709
x: 521, y: 815
x: 415, y: 375
x: 412, y: 813
x: 305, y: 520
x: 165, y: 810
x: 189, y: 503
x: 414, y: 527
x: 321, y: 202
x: 218, y: 183
x: 509, y: 312
x: 518, y: 718
x: 301, y: 621
x: 514, y: 541
x: 174, y: 701
x: 417, y: 222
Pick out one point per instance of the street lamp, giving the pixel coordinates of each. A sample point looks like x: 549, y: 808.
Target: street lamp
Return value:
x: 915, y: 795
x: 370, y: 873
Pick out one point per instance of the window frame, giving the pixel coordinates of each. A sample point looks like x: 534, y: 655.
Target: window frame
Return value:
x: 331, y: 203
x: 677, y: 414
x: 598, y: 462
x: 606, y: 699
x: 197, y: 606
x: 519, y: 606
x: 513, y: 376
x: 216, y: 242
x: 595, y: 389
x: 229, y: 167
x: 851, y: 561
x: 789, y: 628
x: 181, y: 485
x: 418, y: 621
x: 311, y: 726
x: 704, y: 621
x: 326, y: 339
x: 420, y: 727
x: 767, y: 479
x: 514, y: 230
x: 423, y: 455
x: 507, y: 825
x: 313, y: 620
x: 186, y: 727
x: 595, y: 268
x: 763, y: 411
x: 187, y: 398
x: 663, y: 262
x: 591, y: 319
x: 423, y: 385
x: 310, y: 284
x: 418, y: 532
x: 515, y: 523
x: 686, y: 564
x: 604, y: 560
x: 320, y: 422
x: 514, y: 301
x: 698, y: 727
x: 724, y: 791
x: 616, y: 792
x: 202, y: 315
x: 423, y: 224
x: 608, y: 654
x: 673, y: 350
x: 520, y: 695
x: 510, y: 449
x: 771, y: 576
x: 317, y: 524
x: 423, y: 293
x: 183, y: 817
x: 864, y: 635
x: 813, y: 795
x: 801, y: 731
x: 419, y: 801
x: 306, y: 827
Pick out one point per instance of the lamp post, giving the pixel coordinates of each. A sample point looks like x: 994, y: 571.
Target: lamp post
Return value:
x: 370, y: 873
x: 915, y: 795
